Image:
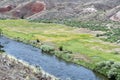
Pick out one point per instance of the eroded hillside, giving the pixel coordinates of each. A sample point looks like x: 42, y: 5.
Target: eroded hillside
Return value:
x: 52, y: 9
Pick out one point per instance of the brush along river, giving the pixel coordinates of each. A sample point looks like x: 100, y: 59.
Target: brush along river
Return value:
x: 50, y: 64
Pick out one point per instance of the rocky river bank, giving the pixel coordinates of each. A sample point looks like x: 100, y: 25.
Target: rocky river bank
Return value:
x: 13, y: 69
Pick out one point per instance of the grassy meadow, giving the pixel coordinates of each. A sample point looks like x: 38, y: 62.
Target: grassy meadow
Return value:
x: 86, y: 49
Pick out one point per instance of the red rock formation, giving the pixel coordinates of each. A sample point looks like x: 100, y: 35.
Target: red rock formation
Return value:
x: 6, y: 9
x: 37, y: 7
x: 28, y: 9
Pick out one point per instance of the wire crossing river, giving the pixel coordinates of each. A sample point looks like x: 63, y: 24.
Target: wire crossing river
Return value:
x: 50, y: 64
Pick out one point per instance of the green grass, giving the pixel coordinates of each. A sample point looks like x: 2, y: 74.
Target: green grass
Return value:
x: 87, y: 49
x: 75, y: 23
x: 112, y: 35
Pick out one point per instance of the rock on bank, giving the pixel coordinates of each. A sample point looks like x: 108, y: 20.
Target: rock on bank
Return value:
x: 13, y: 69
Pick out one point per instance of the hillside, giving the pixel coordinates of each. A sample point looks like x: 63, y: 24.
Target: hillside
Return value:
x: 61, y: 9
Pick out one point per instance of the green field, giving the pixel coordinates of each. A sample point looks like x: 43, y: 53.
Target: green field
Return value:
x: 86, y: 49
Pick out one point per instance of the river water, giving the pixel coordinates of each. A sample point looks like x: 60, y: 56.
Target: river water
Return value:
x: 50, y: 64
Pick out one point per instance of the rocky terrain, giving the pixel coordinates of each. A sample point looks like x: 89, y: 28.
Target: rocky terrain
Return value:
x: 59, y: 9
x: 12, y: 69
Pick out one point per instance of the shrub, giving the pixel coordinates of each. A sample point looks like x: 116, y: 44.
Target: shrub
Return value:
x: 1, y: 49
x: 61, y: 48
x: 116, y: 52
x: 109, y: 68
x: 0, y: 32
x: 47, y: 48
x: 112, y: 74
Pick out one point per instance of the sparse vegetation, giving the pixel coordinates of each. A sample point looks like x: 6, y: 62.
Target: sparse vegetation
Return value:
x: 74, y: 23
x: 113, y: 34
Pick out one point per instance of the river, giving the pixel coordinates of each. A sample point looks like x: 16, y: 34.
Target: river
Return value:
x: 50, y: 64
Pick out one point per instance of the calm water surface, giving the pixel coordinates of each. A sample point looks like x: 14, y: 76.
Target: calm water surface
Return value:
x: 50, y: 64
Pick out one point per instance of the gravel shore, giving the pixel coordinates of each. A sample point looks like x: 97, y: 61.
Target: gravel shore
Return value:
x: 13, y: 69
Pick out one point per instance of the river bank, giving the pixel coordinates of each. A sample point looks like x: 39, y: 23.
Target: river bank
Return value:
x: 13, y: 69
x: 70, y: 44
x: 49, y: 63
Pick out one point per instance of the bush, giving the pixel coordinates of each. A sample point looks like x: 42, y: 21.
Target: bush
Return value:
x: 47, y: 48
x: 1, y: 49
x: 116, y: 52
x: 0, y: 32
x: 110, y: 69
x: 113, y: 35
x: 61, y: 48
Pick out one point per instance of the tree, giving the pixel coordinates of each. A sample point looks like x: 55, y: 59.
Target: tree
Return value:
x: 1, y: 48
x: 0, y: 32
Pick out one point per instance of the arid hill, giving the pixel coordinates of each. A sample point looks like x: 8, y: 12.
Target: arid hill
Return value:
x: 60, y: 9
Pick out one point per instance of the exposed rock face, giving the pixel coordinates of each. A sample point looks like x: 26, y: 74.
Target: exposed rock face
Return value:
x: 101, y: 10
x: 116, y: 17
x: 6, y: 9
x: 91, y: 10
x: 26, y: 10
x: 37, y: 7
